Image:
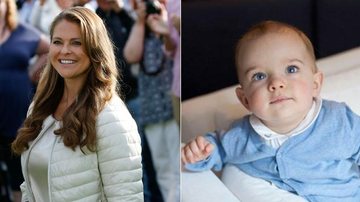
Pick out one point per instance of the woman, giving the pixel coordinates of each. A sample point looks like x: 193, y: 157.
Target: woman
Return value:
x: 18, y: 44
x: 79, y: 142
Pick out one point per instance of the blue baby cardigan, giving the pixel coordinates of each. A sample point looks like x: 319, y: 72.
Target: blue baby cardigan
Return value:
x: 320, y: 164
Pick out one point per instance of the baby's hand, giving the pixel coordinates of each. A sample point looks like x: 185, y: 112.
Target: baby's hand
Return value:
x: 196, y: 150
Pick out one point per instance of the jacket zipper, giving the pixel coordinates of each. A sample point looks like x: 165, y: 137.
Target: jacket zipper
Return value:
x: 49, y: 166
x: 26, y: 175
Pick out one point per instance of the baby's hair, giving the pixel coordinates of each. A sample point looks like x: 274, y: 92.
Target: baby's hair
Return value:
x: 269, y: 26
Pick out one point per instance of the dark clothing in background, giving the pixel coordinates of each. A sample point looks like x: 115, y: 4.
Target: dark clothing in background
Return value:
x: 119, y: 26
x: 15, y: 92
x: 15, y: 84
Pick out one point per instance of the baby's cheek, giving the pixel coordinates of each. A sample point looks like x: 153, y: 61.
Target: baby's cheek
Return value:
x: 305, y: 87
x: 257, y: 101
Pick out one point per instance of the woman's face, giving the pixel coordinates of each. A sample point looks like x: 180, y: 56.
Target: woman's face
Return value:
x: 67, y: 51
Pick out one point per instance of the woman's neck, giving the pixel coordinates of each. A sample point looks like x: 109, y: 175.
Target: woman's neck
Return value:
x: 68, y: 98
x: 70, y: 93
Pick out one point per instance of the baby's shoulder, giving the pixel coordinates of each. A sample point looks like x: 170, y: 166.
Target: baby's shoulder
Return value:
x: 240, y: 124
x: 239, y: 129
x: 336, y: 109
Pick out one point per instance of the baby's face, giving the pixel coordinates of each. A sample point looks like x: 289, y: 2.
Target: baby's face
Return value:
x: 278, y: 80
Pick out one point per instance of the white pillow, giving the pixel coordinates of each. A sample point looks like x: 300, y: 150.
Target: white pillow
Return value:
x: 344, y: 86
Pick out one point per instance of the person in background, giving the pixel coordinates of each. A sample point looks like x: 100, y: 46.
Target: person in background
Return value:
x: 81, y: 2
x: 119, y: 22
x: 169, y: 28
x: 24, y: 9
x: 79, y: 141
x: 174, y: 11
x: 44, y: 12
x: 18, y: 44
x: 6, y: 193
x: 155, y: 78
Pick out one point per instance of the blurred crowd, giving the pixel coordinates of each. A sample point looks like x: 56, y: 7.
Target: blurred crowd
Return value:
x: 146, y: 36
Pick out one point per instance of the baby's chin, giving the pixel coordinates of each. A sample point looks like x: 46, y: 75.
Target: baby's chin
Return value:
x: 283, y: 123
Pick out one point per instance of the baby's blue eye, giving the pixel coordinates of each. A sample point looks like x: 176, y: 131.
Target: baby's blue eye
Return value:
x: 258, y: 76
x: 292, y: 69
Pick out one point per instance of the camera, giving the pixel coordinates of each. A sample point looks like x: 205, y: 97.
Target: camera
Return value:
x: 152, y: 7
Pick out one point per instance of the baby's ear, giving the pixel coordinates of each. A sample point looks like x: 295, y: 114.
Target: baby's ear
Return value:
x: 318, y: 80
x: 241, y: 96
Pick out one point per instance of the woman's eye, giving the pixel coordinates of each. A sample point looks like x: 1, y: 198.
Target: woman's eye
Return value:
x: 292, y: 69
x: 77, y: 43
x: 258, y: 76
x: 56, y: 42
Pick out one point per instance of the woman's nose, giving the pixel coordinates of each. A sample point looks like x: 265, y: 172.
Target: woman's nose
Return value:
x: 65, y: 49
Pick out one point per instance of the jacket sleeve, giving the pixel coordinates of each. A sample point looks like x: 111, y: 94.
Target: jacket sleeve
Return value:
x: 119, y: 155
x: 23, y: 188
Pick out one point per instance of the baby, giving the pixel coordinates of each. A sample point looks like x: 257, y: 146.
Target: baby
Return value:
x: 292, y: 139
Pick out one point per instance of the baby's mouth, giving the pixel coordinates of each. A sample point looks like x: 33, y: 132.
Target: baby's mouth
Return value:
x: 279, y: 99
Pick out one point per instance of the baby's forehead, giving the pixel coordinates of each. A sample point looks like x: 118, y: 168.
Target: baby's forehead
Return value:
x: 283, y: 34
x: 276, y: 30
x: 268, y: 43
x: 285, y: 37
x: 281, y: 47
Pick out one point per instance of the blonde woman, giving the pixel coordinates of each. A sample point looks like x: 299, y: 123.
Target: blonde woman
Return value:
x: 79, y: 142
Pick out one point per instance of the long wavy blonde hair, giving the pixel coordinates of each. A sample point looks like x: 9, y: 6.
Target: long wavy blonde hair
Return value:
x: 79, y: 120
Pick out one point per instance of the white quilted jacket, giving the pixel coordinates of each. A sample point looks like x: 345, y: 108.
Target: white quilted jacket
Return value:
x: 113, y: 173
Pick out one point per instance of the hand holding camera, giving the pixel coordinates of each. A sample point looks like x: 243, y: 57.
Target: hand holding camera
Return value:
x: 152, y: 7
x: 154, y: 13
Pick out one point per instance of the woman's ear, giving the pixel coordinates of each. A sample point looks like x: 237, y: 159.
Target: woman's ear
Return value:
x: 241, y: 96
x: 318, y: 80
